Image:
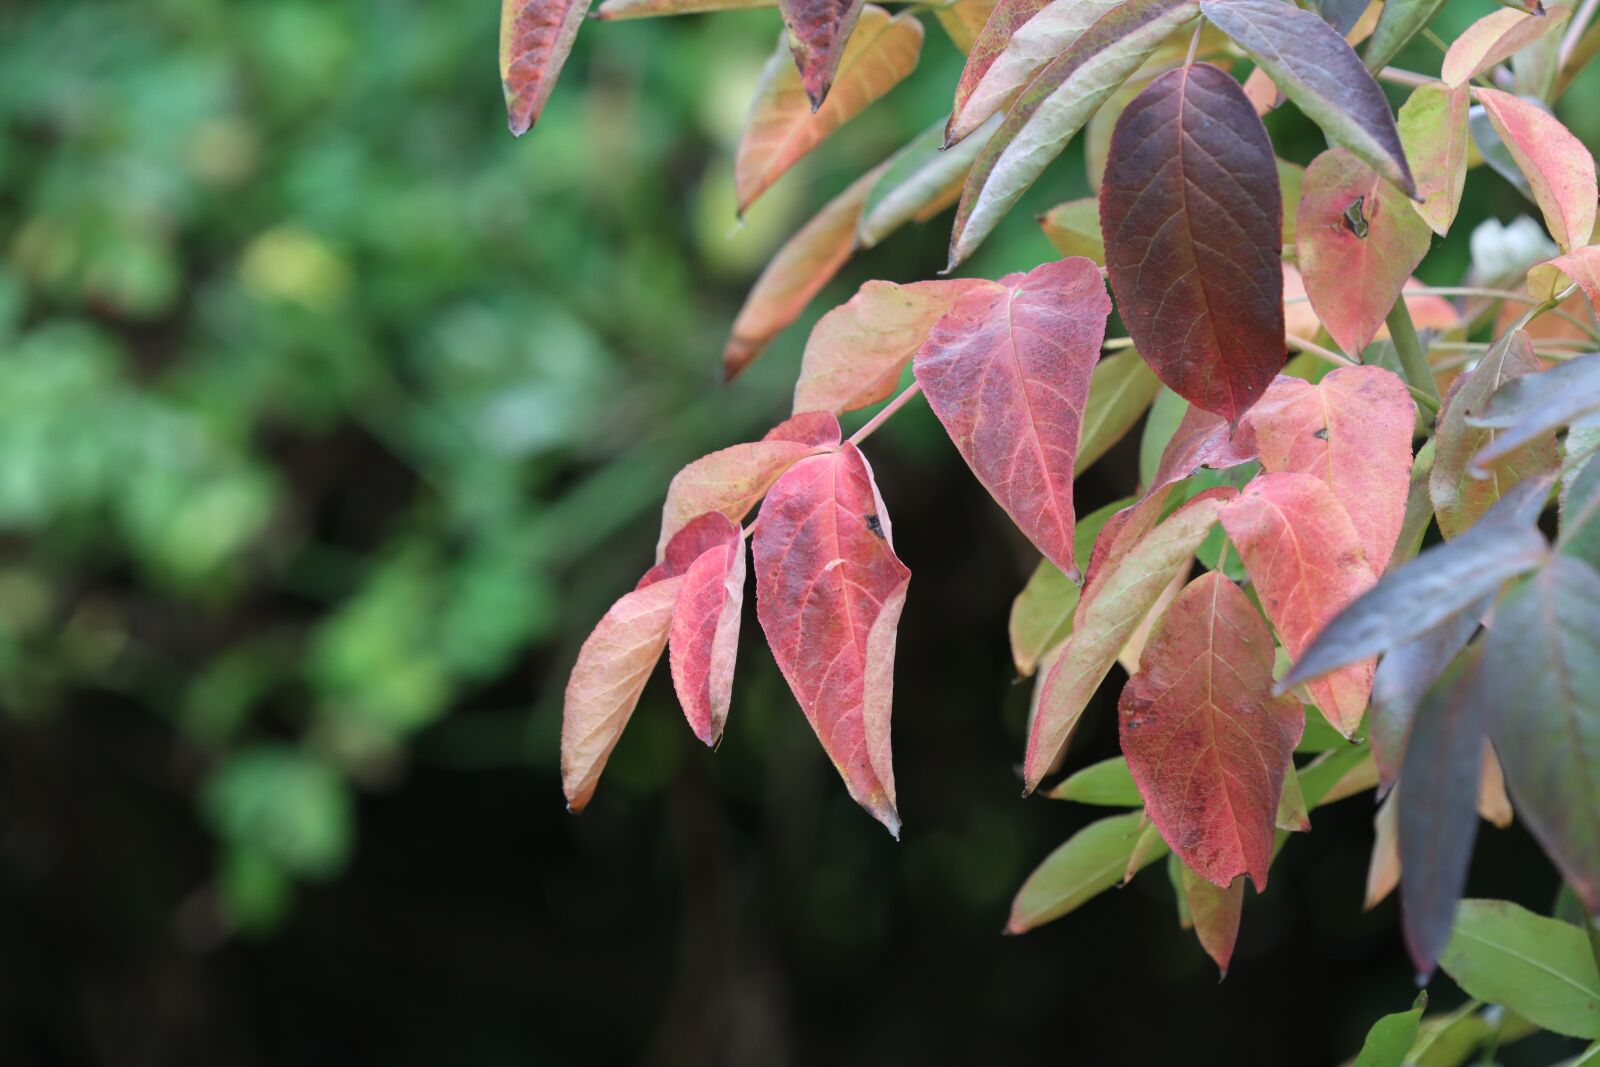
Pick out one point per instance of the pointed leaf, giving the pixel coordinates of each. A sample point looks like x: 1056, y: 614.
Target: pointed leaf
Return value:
x: 1358, y: 241
x: 856, y: 351
x: 1054, y: 107
x: 992, y: 80
x: 1074, y: 228
x: 805, y: 263
x: 1494, y: 39
x: 1391, y: 1037
x: 829, y: 593
x: 782, y: 126
x: 1305, y: 561
x: 704, y: 639
x: 535, y: 37
x: 1438, y: 807
x: 1558, y: 167
x: 1133, y: 571
x: 1041, y: 615
x: 1458, y: 497
x: 1090, y: 861
x: 1383, y: 871
x: 1542, y: 680
x: 1292, y: 814
x: 921, y: 181
x: 1215, y: 913
x: 1537, y: 967
x: 1197, y: 275
x: 992, y: 42
x: 1007, y: 372
x: 1204, y: 738
x: 731, y: 480
x: 1316, y: 68
x: 613, y: 665
x: 818, y: 33
x: 1582, y: 265
x: 1107, y: 783
x: 1433, y: 129
x: 1440, y: 582
x: 1529, y: 409
x: 1353, y: 430
x: 1120, y: 390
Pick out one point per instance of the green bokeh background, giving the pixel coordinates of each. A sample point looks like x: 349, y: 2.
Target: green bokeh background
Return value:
x: 331, y: 418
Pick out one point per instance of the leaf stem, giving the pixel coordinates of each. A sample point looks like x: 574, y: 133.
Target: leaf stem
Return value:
x: 1194, y: 42
x: 1397, y: 76
x: 1330, y: 356
x: 1542, y: 306
x: 1492, y: 294
x: 1413, y: 360
x: 1580, y: 22
x: 884, y: 414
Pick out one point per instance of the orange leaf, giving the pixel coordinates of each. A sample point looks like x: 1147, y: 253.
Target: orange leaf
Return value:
x: 1494, y: 39
x: 782, y: 126
x: 1558, y: 167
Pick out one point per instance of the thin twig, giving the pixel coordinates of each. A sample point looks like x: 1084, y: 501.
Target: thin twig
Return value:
x: 1580, y: 22
x: 883, y: 415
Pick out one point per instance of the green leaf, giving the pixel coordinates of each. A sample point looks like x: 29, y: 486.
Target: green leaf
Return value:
x: 1316, y: 68
x: 1433, y: 129
x: 1106, y: 783
x: 1120, y: 390
x: 921, y: 180
x: 1580, y: 514
x: 1399, y: 21
x: 1540, y: 968
x: 1074, y: 228
x: 1392, y: 1036
x: 1166, y: 412
x: 1090, y: 861
x: 1041, y: 615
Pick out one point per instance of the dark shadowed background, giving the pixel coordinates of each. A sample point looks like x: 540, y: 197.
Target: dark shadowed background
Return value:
x: 331, y: 418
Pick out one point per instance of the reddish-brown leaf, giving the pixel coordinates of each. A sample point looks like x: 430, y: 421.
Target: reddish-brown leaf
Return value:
x: 605, y: 684
x: 805, y: 263
x: 1305, y: 560
x: 818, y: 30
x: 1353, y: 430
x: 783, y: 126
x: 1190, y: 212
x: 1205, y: 739
x: 535, y: 37
x: 829, y: 590
x: 1007, y: 371
x: 856, y: 351
x: 1130, y: 576
x: 1357, y: 239
x: 731, y: 480
x: 704, y: 638
x: 1558, y: 167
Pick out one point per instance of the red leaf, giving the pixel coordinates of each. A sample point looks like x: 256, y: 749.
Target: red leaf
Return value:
x: 1205, y: 739
x: 704, y: 639
x: 1353, y: 430
x: 1007, y: 371
x: 1190, y: 211
x: 1557, y: 165
x: 1135, y: 567
x: 1305, y: 560
x: 1357, y: 239
x: 535, y: 37
x: 612, y: 667
x: 829, y: 591
x: 731, y: 480
x: 856, y: 351
x: 818, y: 30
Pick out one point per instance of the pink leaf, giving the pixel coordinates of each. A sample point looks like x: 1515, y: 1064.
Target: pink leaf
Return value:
x: 829, y: 592
x: 731, y: 480
x: 1557, y: 165
x: 1205, y: 739
x: 535, y: 37
x: 1007, y: 372
x: 1305, y: 560
x: 1353, y: 430
x: 704, y: 639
